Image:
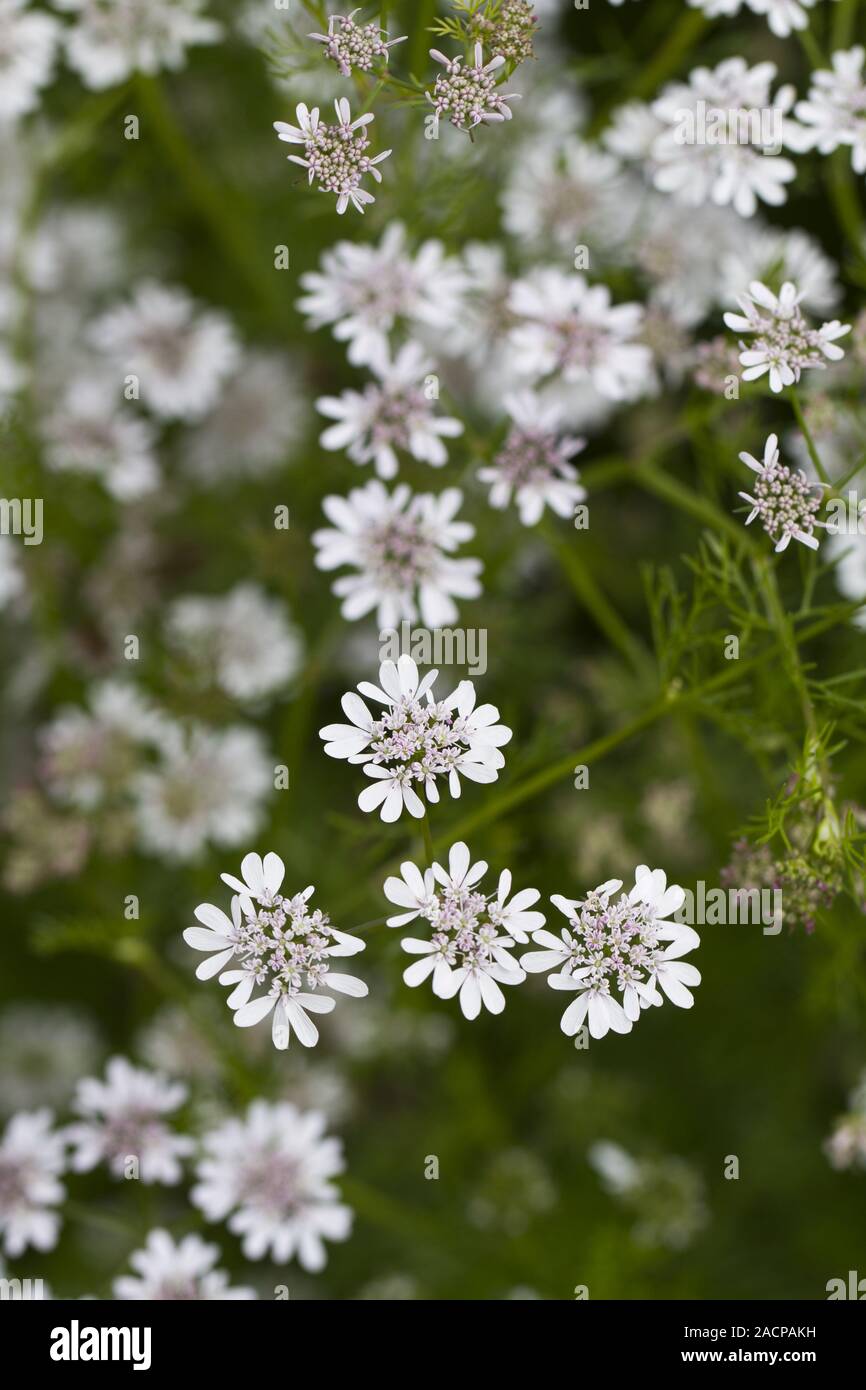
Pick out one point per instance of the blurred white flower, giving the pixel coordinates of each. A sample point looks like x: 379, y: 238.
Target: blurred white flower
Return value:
x: 335, y: 156
x: 785, y: 499
x: 467, y: 93
x: 11, y: 577
x: 257, y: 423
x: 355, y: 47
x: 400, y: 543
x: 666, y: 1194
x: 75, y: 249
x: 783, y: 16
x: 44, y: 1049
x: 91, y: 431
x: 785, y: 344
x: 396, y: 412
x: 416, y: 740
x: 270, y: 1174
x: 849, y: 554
x: 468, y: 952
x: 88, y: 756
x: 366, y: 291
x: 124, y: 1118
x: 846, y: 1146
x: 244, y: 640
x: 533, y: 463
x: 627, y: 944
x: 568, y: 327
x: 566, y: 194
x: 783, y: 254
x: 209, y: 787
x: 834, y: 113
x: 28, y: 44
x: 182, y: 1270
x: 277, y: 942
x: 180, y: 354
x: 111, y: 39
x: 716, y: 143
x: 31, y: 1162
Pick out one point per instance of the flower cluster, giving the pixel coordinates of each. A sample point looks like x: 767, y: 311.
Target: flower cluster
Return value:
x: 533, y: 464
x: 618, y: 954
x: 335, y: 156
x: 784, y: 343
x: 834, y: 114
x: 846, y: 1147
x: 468, y: 953
x: 417, y: 740
x: 784, y: 499
x: 355, y: 47
x: 509, y: 31
x: 469, y: 95
x: 274, y: 941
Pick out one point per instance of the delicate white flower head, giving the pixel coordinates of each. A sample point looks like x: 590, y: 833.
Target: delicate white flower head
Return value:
x: 124, y: 1119
x: 244, y: 642
x: 87, y: 756
x: 416, y: 740
x: 271, y: 1175
x: 182, y: 1271
x: 44, y: 1049
x: 468, y: 953
x: 716, y: 144
x: 92, y: 431
x: 784, y: 345
x: 31, y: 1161
x: 274, y: 941
x: 616, y: 946
x: 209, y: 787
x: 784, y: 498
x: 565, y: 194
x: 570, y: 328
x: 181, y: 355
x: 256, y: 425
x: 397, y: 412
x: 783, y: 16
x: 533, y: 464
x: 28, y: 44
x: 335, y: 156
x: 468, y: 94
x: 834, y: 113
x: 355, y: 47
x: 113, y: 38
x: 366, y: 291
x: 771, y: 254
x: 401, y: 545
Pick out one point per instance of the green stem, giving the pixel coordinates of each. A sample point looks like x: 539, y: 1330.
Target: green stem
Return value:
x: 807, y: 435
x: 670, y: 490
x: 429, y: 852
x: 602, y: 611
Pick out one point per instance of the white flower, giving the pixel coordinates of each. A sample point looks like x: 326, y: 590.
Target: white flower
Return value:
x: 715, y: 145
x: 244, y: 640
x: 11, y: 577
x: 256, y: 425
x: 209, y: 787
x: 771, y: 253
x: 533, y: 463
x: 90, y: 431
x: 401, y: 544
x: 416, y: 740
x: 355, y: 47
x: 123, y: 1118
x: 76, y: 249
x: 835, y: 110
x: 784, y: 344
x: 366, y: 291
x: 31, y: 1161
x: 397, y: 412
x: 277, y: 942
x: 468, y: 93
x: 563, y: 195
x: 468, y: 953
x: 849, y: 553
x: 336, y: 156
x: 181, y: 355
x: 567, y: 327
x: 28, y: 44
x: 182, y: 1270
x: 87, y: 756
x: 785, y: 500
x: 44, y: 1049
x: 271, y: 1175
x: 111, y: 39
x: 618, y: 944
x: 783, y: 16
